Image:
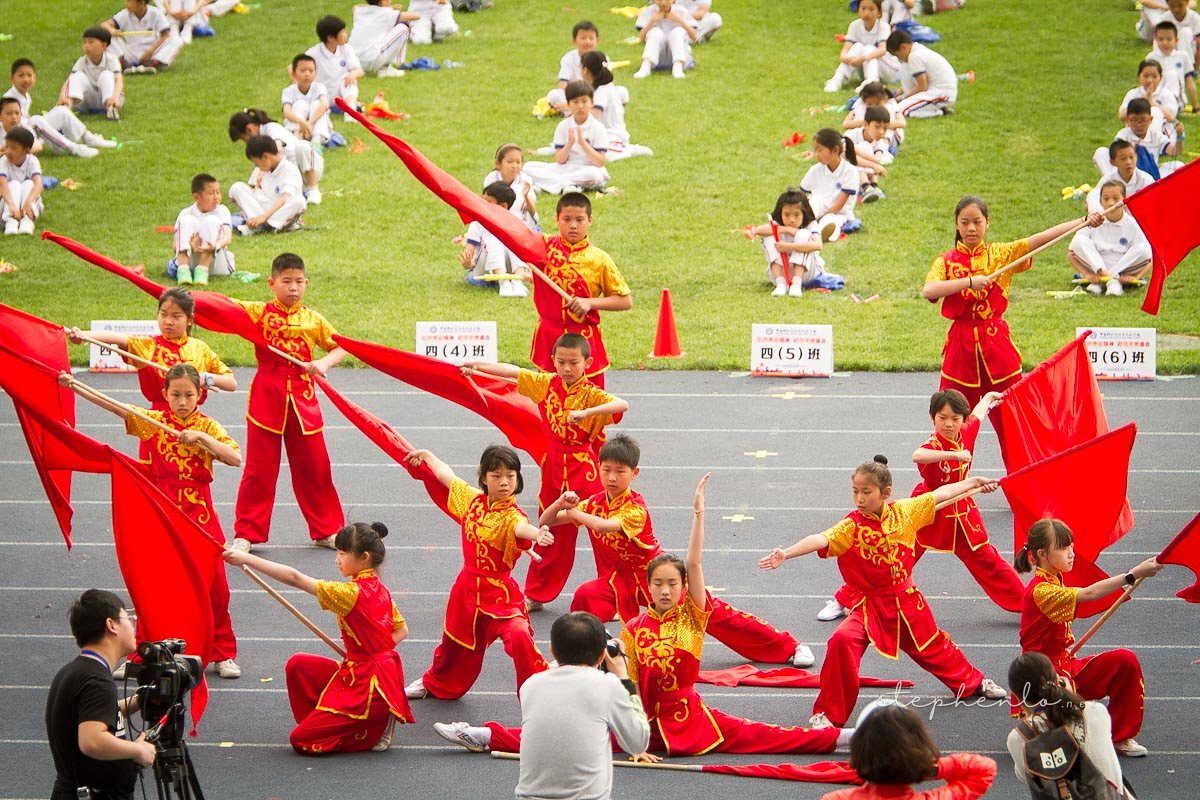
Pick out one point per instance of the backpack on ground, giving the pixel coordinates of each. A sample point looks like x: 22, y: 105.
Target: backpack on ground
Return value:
x: 1056, y: 768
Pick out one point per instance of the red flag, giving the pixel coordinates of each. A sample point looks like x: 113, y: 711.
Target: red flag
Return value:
x: 496, y: 401
x: 784, y: 677
x: 1184, y: 550
x: 168, y: 563
x: 816, y: 772
x: 41, y: 403
x: 1054, y: 408
x: 392, y: 443
x: 1164, y: 211
x: 526, y: 245
x: 1047, y: 489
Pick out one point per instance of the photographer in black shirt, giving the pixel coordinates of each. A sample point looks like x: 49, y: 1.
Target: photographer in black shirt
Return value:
x: 84, y: 719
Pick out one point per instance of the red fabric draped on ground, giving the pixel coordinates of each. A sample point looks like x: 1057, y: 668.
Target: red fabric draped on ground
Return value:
x: 1184, y: 550
x: 817, y: 772
x: 786, y: 677
x: 1164, y: 211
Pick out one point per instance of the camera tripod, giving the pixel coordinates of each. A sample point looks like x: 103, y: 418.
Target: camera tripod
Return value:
x: 174, y: 776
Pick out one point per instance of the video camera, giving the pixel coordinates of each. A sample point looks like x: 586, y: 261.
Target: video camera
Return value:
x: 165, y: 675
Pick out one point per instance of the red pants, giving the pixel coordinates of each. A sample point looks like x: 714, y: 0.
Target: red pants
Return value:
x: 740, y: 736
x: 751, y: 638
x: 994, y: 575
x: 839, y: 672
x: 546, y: 578
x: 455, y: 667
x: 1117, y: 675
x: 312, y: 481
x: 597, y: 597
x: 320, y: 731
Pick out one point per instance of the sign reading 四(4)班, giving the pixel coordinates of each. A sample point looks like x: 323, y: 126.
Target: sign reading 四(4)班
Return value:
x: 791, y: 350
x: 457, y: 342
x: 1122, y: 354
x: 101, y: 359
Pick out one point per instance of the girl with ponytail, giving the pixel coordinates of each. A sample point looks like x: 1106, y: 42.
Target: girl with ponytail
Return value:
x: 354, y: 704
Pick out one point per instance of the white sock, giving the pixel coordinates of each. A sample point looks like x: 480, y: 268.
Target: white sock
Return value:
x: 643, y: 70
x: 484, y: 735
x: 843, y: 739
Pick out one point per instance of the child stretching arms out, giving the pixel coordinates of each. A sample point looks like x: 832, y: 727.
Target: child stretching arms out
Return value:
x: 1047, y: 611
x: 351, y: 705
x: 485, y: 603
x: 874, y: 547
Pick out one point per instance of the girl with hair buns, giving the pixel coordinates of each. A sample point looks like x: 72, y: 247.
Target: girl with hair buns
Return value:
x: 354, y: 704
x: 1046, y: 615
x: 874, y: 548
x: 1047, y: 703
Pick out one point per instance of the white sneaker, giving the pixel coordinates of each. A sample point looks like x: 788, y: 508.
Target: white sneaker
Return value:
x: 385, y: 742
x: 25, y: 226
x: 833, y: 85
x: 819, y: 722
x: 326, y: 542
x: 519, y: 289
x: 459, y: 733
x: 1113, y: 288
x: 677, y: 71
x: 643, y: 71
x: 113, y: 113
x: 246, y: 230
x: 83, y: 151
x: 832, y: 610
x: 1131, y: 749
x: 781, y: 288
x: 1094, y: 288
x: 390, y: 72
x: 240, y: 544
x: 803, y: 657
x: 416, y: 690
x: 228, y: 669
x: 506, y: 289
x: 96, y: 140
x: 313, y: 196
x: 10, y: 227
x: 991, y: 690
x: 797, y: 288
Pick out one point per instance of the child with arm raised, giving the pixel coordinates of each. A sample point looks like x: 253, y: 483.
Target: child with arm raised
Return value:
x: 485, y: 603
x: 351, y: 705
x: 874, y: 547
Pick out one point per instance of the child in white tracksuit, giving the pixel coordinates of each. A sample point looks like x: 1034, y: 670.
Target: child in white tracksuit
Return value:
x: 435, y: 23
x: 274, y: 197
x: 203, y: 231
x: 580, y: 144
x: 338, y: 67
x: 20, y: 183
x: 667, y: 36
x: 864, y: 51
x: 791, y: 244
x: 1114, y: 253
x: 832, y: 184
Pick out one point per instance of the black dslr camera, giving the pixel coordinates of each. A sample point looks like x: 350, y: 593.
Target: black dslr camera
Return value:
x: 165, y: 675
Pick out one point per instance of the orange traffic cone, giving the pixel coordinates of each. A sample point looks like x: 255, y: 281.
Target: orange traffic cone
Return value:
x: 666, y: 340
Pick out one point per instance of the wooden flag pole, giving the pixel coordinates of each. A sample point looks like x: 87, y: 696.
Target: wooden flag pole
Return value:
x: 624, y: 763
x: 1013, y: 265
x: 283, y: 601
x: 123, y: 353
x: 1104, y: 617
x: 963, y: 496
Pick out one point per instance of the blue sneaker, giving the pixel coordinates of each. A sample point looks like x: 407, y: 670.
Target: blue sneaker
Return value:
x: 238, y: 219
x: 336, y: 140
x: 203, y: 31
x: 473, y: 281
x: 852, y: 226
x: 172, y: 268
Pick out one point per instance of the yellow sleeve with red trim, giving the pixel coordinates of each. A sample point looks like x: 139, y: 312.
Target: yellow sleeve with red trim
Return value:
x: 460, y: 497
x: 841, y: 538
x: 136, y: 426
x: 533, y: 385
x: 1055, y: 601
x: 397, y: 618
x: 337, y: 596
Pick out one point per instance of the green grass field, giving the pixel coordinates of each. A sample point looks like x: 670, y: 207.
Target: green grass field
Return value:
x: 379, y: 246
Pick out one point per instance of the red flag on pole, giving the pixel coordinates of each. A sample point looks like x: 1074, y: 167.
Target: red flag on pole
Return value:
x: 1163, y: 210
x: 1054, y: 408
x: 1044, y: 490
x: 390, y: 442
x: 526, y: 245
x: 496, y: 401
x: 1184, y: 550
x: 40, y: 402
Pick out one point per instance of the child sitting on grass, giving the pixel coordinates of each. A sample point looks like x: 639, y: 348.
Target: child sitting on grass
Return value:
x: 484, y: 254
x: 585, y: 36
x: 273, y: 200
x: 580, y: 144
x: 1117, y: 252
x: 831, y: 184
x: 203, y: 231
x: 791, y: 244
x: 20, y: 183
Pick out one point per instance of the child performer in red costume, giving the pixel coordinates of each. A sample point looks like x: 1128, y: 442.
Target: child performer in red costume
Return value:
x: 351, y: 705
x: 574, y: 414
x: 624, y: 544
x: 181, y: 465
x: 485, y: 603
x: 945, y: 457
x: 663, y: 646
x: 283, y: 410
x: 1046, y: 616
x: 174, y: 345
x: 874, y: 548
x: 979, y: 355
x: 586, y: 273
x: 891, y: 749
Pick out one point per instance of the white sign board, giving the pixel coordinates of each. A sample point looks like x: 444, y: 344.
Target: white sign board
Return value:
x: 791, y: 350
x: 1122, y: 354
x: 103, y: 360
x: 457, y: 342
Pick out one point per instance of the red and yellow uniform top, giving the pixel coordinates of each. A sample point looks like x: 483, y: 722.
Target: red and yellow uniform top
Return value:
x: 182, y: 471
x: 169, y: 352
x: 366, y: 617
x: 554, y: 399
x: 979, y: 333
x: 490, y: 550
x: 622, y: 556
x: 961, y: 518
x: 297, y: 331
x: 1046, y: 615
x: 875, y: 557
x: 664, y: 661
x: 582, y: 271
